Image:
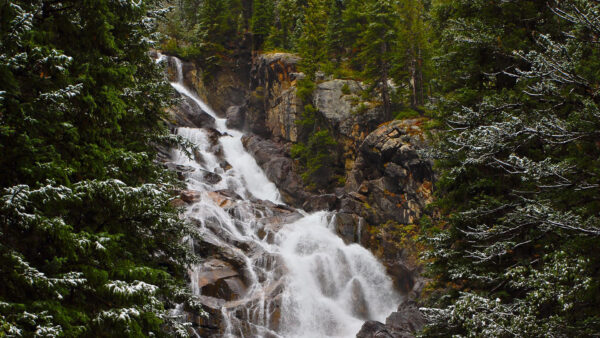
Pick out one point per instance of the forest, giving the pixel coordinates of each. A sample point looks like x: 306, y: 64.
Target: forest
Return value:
x: 507, y: 91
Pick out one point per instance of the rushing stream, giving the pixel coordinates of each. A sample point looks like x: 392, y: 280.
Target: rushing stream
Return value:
x: 299, y: 278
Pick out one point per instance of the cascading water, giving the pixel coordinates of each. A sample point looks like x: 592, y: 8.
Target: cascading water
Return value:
x: 299, y: 278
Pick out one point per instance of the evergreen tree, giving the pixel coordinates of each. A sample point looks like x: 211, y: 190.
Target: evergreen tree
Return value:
x: 520, y: 183
x: 335, y: 34
x: 89, y: 243
x: 413, y: 49
x: 378, y: 47
x: 312, y: 44
x: 262, y: 20
x: 287, y: 14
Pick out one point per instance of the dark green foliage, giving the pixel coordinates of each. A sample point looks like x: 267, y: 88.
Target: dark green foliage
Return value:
x: 89, y: 243
x: 516, y: 252
x: 378, y: 45
x: 312, y: 45
x: 204, y: 31
x: 317, y: 159
x: 262, y: 19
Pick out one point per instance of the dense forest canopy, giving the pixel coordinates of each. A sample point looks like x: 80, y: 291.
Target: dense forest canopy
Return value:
x: 90, y: 244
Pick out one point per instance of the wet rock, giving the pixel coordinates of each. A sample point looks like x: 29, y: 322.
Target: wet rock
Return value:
x: 189, y: 114
x: 190, y: 196
x: 210, y: 177
x: 236, y: 116
x: 403, y: 276
x: 220, y: 199
x: 348, y: 226
x: 278, y: 167
x: 321, y: 202
x: 219, y: 279
x: 273, y: 104
x: 178, y: 203
x: 373, y: 329
x: 407, y: 320
x: 182, y: 171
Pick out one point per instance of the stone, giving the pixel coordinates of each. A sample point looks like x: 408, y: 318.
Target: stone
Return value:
x: 347, y: 226
x: 321, y: 202
x: 190, y: 196
x: 407, y: 320
x: 374, y: 329
x: 236, y: 116
x: 210, y: 177
x: 359, y: 303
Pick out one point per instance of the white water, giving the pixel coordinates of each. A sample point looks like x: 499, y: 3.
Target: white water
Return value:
x: 322, y: 287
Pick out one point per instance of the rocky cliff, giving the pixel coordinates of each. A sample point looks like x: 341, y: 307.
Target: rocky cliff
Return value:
x: 387, y: 183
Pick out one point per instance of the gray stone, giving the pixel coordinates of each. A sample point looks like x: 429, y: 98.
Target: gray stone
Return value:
x: 236, y: 116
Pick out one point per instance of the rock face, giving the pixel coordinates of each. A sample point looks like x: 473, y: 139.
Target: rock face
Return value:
x: 273, y: 104
x: 390, y: 178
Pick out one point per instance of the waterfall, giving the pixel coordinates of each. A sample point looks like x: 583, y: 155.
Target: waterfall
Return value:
x: 298, y: 278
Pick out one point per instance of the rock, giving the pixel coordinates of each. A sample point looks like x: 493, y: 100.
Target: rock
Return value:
x: 221, y: 200
x: 403, y: 276
x: 403, y: 323
x: 321, y: 202
x: 182, y: 171
x: 407, y: 320
x: 273, y: 104
x: 359, y: 303
x: 373, y: 329
x: 219, y: 279
x: 178, y: 203
x: 210, y: 177
x: 236, y: 116
x: 190, y: 196
x: 349, y: 227
x: 188, y: 114
x: 332, y: 102
x: 278, y: 167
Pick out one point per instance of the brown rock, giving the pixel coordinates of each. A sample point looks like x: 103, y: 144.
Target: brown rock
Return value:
x: 190, y: 196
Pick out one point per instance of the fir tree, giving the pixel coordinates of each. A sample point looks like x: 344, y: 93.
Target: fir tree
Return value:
x: 262, y: 19
x: 378, y: 46
x: 520, y: 182
x: 312, y: 44
x: 89, y: 243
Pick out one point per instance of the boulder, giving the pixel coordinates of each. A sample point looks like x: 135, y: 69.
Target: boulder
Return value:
x: 190, y: 196
x: 374, y: 329
x: 407, y: 320
x: 189, y: 114
x: 404, y: 323
x: 236, y: 116
x: 321, y: 202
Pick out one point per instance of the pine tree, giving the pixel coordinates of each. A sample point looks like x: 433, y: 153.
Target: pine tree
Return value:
x: 413, y: 49
x: 378, y: 47
x: 261, y: 22
x: 335, y: 34
x: 312, y: 44
x: 89, y: 243
x: 520, y: 180
x: 286, y: 16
